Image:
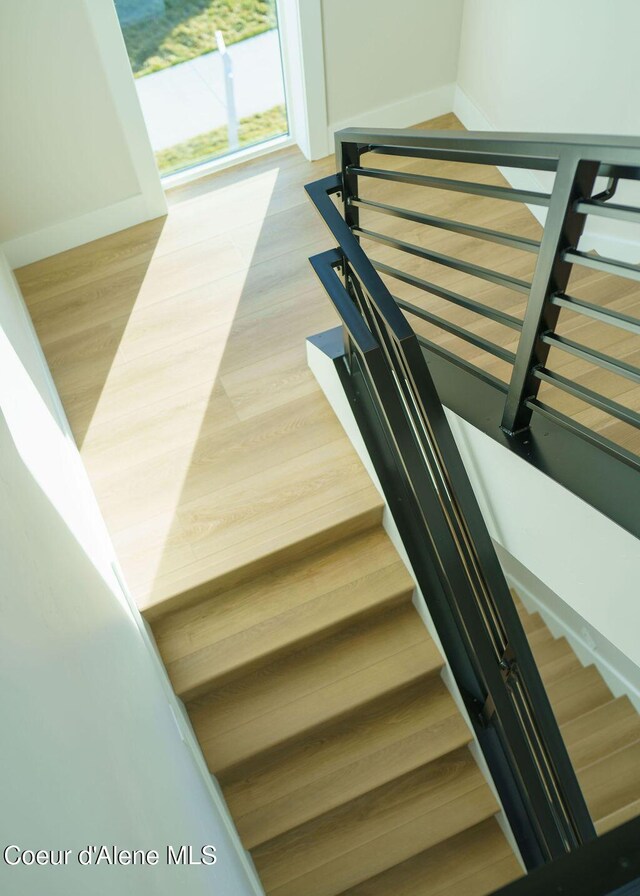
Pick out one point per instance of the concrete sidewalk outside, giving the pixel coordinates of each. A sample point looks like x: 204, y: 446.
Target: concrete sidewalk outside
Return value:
x: 189, y: 99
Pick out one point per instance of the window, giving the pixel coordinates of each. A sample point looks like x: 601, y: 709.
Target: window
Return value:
x: 208, y: 74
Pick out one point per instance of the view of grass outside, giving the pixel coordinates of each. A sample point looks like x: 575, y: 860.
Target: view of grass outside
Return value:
x: 215, y: 143
x: 162, y: 34
x: 186, y: 29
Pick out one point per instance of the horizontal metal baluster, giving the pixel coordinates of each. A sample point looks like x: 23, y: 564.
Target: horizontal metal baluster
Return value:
x: 608, y: 210
x: 459, y: 186
x: 589, y: 396
x: 481, y: 233
x: 607, y: 265
x: 448, y: 261
x: 592, y: 355
x: 488, y: 378
x: 501, y: 317
x: 437, y: 321
x: 597, y: 312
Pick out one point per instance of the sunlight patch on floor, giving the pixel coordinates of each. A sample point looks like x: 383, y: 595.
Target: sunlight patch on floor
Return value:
x: 165, y: 370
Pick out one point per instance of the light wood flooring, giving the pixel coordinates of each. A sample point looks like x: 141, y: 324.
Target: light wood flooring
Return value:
x: 178, y: 350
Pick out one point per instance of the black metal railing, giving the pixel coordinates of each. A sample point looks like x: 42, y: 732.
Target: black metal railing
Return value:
x: 400, y: 414
x: 577, y: 163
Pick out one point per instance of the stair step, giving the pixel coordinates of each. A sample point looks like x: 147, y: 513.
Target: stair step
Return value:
x: 280, y: 611
x: 602, y: 732
x: 312, y: 687
x: 378, y: 830
x: 613, y: 783
x: 531, y: 622
x: 389, y: 738
x: 359, y: 512
x: 575, y: 693
x: 475, y: 862
x: 626, y: 813
x: 553, y: 655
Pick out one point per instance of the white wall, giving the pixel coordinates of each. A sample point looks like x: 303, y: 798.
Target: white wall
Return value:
x: 549, y: 66
x: 75, y: 161
x: 90, y: 749
x: 563, y: 67
x: 579, y: 554
x: 389, y: 64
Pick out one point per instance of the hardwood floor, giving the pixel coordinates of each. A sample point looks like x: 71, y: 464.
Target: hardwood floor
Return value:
x: 178, y: 350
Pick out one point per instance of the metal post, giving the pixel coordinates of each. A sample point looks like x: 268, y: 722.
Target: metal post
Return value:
x: 348, y: 154
x: 563, y: 227
x: 232, y: 118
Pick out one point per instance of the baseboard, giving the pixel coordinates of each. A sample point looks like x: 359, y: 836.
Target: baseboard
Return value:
x: 595, y: 238
x: 68, y: 234
x: 402, y: 114
x: 590, y: 646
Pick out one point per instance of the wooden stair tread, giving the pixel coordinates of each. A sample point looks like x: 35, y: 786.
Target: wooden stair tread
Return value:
x: 575, y: 693
x: 531, y: 622
x: 312, y: 687
x: 280, y: 611
x: 385, y: 740
x: 473, y: 863
x: 207, y: 575
x: 626, y: 813
x: 380, y: 829
x: 601, y: 732
x: 551, y: 654
x: 612, y: 783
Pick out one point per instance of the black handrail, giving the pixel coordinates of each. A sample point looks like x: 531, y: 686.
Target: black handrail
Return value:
x: 453, y: 555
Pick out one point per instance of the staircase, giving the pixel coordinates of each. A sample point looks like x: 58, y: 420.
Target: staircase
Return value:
x: 255, y: 548
x: 314, y: 690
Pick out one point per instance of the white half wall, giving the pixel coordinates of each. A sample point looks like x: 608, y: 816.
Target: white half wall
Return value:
x: 389, y: 65
x: 95, y: 749
x: 592, y: 564
x: 75, y: 159
x: 557, y: 68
